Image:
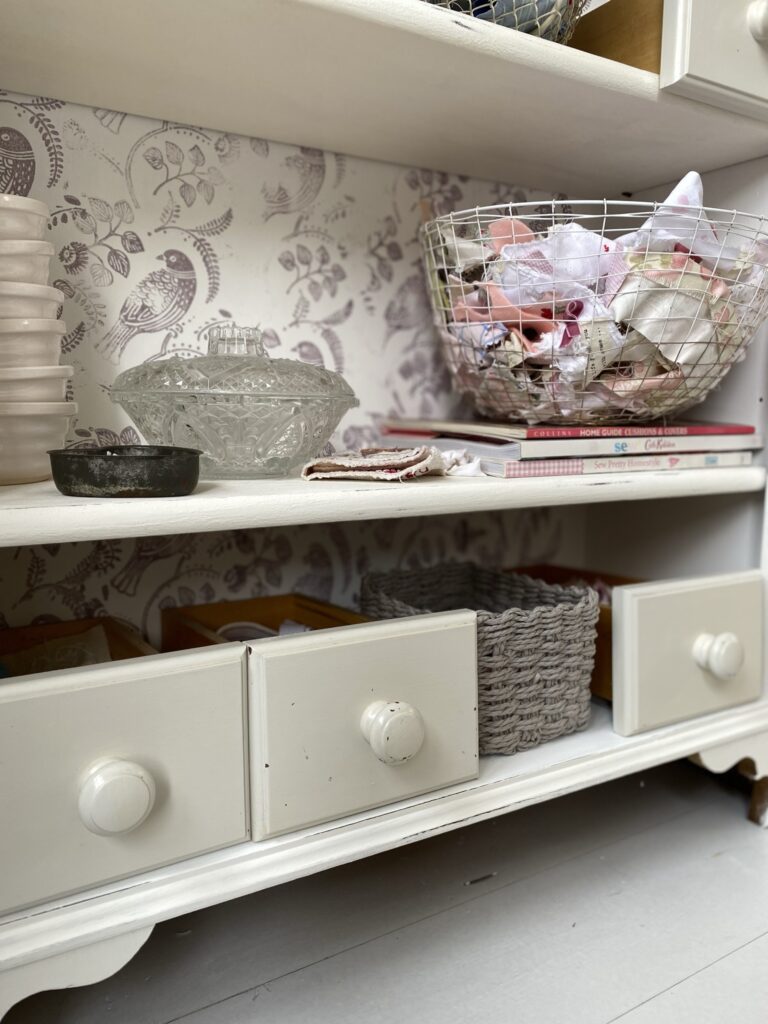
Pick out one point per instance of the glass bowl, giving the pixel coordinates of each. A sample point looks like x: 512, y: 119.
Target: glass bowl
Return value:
x: 251, y: 416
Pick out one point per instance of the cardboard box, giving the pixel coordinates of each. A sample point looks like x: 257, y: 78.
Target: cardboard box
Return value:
x: 627, y: 31
x: 196, y: 625
x: 123, y: 642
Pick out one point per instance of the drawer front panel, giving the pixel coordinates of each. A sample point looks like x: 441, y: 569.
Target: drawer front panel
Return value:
x: 347, y: 719
x: 111, y: 770
x: 684, y: 648
x: 715, y: 52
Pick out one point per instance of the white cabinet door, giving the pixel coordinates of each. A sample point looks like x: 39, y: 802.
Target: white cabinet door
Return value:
x: 346, y: 719
x: 716, y: 51
x: 683, y: 648
x: 110, y: 770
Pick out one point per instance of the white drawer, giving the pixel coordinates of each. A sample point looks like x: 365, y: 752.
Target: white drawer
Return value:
x: 683, y: 648
x: 346, y: 719
x: 714, y: 51
x: 91, y: 745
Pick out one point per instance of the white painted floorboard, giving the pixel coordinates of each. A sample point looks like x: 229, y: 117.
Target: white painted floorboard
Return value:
x: 644, y: 900
x: 734, y: 989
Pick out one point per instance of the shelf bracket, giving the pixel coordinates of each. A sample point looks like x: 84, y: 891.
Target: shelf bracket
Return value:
x: 83, y: 965
x: 750, y: 756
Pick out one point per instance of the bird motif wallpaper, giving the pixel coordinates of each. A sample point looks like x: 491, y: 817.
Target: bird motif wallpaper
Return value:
x: 162, y: 230
x: 134, y: 580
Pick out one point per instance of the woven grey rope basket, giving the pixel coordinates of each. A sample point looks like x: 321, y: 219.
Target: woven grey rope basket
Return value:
x: 535, y: 645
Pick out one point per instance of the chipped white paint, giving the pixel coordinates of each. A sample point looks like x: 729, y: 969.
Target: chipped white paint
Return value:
x: 310, y: 759
x: 75, y: 939
x: 38, y: 514
x: 686, y: 647
x: 505, y: 784
x: 393, y: 729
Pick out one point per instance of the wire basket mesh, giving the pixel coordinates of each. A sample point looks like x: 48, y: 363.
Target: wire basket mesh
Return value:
x: 550, y: 19
x: 587, y: 312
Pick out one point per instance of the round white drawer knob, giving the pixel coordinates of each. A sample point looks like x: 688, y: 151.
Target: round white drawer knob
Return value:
x: 394, y: 729
x: 116, y: 797
x: 757, y: 20
x: 722, y: 655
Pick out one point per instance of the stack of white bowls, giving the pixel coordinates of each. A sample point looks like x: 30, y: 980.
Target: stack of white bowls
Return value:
x: 33, y: 411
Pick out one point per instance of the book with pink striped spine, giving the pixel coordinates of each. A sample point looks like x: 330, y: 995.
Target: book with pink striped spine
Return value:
x: 514, y: 469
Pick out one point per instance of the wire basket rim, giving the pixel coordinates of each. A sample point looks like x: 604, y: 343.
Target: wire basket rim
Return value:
x: 632, y: 207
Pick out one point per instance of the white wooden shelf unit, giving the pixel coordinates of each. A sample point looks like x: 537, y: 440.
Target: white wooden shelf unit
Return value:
x: 399, y: 81
x: 38, y: 514
x: 83, y: 937
x: 108, y: 926
x: 392, y: 80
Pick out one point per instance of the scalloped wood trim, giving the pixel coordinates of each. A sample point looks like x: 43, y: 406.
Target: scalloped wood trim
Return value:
x: 83, y: 965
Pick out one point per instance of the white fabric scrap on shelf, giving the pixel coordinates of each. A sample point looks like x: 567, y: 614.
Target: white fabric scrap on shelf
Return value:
x: 393, y: 465
x: 383, y: 464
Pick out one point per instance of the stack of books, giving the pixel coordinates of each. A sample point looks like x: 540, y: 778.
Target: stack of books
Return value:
x: 515, y: 450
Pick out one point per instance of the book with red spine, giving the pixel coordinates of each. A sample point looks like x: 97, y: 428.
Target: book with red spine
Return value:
x: 481, y: 430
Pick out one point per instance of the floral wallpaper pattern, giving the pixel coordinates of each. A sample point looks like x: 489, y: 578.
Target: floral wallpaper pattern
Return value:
x: 134, y: 579
x: 318, y: 248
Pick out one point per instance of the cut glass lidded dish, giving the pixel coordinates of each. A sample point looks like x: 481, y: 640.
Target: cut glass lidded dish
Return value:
x: 250, y: 415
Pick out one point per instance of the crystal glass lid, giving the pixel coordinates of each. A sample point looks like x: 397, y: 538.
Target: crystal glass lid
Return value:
x: 237, y: 363
x: 232, y: 340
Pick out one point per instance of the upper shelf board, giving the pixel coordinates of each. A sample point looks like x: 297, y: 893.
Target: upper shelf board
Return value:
x: 394, y: 80
x: 38, y: 514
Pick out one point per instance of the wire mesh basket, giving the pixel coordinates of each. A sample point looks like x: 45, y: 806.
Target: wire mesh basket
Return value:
x: 550, y: 19
x: 588, y: 312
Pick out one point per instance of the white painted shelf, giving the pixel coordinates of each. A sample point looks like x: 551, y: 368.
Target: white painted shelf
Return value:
x: 38, y: 514
x: 505, y: 784
x: 393, y: 80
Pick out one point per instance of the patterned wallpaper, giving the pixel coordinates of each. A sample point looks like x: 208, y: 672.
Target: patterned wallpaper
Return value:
x: 318, y: 248
x: 135, y: 579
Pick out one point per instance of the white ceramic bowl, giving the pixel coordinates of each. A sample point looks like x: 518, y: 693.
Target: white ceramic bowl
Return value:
x: 30, y: 342
x: 34, y: 383
x: 28, y: 430
x: 25, y: 261
x: 21, y: 217
x: 19, y: 301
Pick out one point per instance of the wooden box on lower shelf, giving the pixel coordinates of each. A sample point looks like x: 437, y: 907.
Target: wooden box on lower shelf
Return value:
x: 602, y: 675
x: 627, y: 31
x: 197, y: 625
x: 122, y: 643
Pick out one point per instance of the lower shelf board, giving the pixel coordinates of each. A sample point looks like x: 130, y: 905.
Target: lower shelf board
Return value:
x: 505, y: 784
x: 38, y: 514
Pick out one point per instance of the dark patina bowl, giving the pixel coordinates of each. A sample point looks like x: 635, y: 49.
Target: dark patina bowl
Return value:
x: 126, y: 471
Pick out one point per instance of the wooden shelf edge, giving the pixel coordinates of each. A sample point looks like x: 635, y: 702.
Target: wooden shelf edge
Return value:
x: 398, y: 81
x: 38, y: 514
